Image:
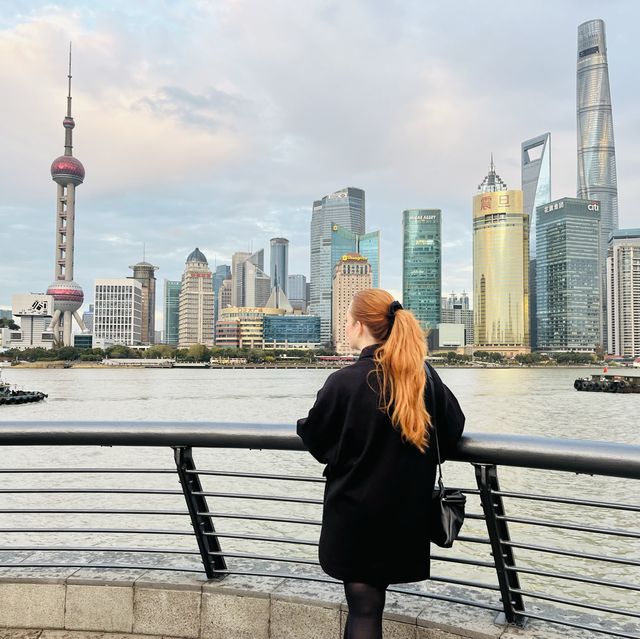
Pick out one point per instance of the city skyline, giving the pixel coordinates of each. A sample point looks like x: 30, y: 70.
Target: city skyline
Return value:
x: 195, y: 197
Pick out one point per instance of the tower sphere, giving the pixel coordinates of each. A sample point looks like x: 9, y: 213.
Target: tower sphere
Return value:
x: 67, y: 295
x: 68, y: 122
x: 67, y: 170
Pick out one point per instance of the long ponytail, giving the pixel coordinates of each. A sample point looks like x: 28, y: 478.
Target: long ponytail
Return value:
x: 399, y: 363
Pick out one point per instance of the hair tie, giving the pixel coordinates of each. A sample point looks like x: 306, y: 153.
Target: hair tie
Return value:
x: 391, y: 315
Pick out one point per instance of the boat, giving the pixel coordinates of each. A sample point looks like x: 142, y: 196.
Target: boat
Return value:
x: 608, y: 383
x: 10, y: 395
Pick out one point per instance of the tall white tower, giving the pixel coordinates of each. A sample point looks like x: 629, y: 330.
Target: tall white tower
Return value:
x: 67, y: 172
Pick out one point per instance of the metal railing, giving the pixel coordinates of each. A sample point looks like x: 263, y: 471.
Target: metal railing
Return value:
x: 564, y: 577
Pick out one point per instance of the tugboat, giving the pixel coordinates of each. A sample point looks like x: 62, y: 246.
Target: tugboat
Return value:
x: 608, y: 383
x: 12, y: 396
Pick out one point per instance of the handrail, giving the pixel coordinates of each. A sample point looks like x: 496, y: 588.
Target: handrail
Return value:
x: 485, y: 451
x: 545, y: 453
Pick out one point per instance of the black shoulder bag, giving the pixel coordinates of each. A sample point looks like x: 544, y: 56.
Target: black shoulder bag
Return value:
x: 447, y: 504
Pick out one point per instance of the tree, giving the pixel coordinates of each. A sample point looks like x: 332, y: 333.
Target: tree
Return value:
x: 8, y: 323
x: 198, y: 353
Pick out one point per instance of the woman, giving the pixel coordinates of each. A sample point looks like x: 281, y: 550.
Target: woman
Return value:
x: 370, y: 426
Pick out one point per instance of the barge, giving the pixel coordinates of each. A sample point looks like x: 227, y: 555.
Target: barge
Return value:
x: 608, y: 383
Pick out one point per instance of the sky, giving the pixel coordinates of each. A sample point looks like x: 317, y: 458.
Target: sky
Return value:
x: 216, y: 124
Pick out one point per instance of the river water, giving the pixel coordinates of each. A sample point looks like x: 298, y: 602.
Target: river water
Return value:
x: 518, y: 401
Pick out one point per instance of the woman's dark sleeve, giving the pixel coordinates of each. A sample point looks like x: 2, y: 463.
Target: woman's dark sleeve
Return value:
x: 449, y: 416
x: 320, y: 430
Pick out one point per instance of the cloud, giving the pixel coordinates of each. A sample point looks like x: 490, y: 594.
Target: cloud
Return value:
x: 217, y: 124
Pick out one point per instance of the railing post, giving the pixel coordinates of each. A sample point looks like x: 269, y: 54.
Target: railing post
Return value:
x: 197, y: 505
x: 493, y: 507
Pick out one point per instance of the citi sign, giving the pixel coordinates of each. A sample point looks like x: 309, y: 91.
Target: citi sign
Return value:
x: 594, y: 206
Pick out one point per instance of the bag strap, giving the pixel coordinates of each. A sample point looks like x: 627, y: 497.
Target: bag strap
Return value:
x: 432, y: 388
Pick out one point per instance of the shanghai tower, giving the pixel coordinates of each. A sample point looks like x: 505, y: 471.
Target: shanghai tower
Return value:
x: 596, y: 150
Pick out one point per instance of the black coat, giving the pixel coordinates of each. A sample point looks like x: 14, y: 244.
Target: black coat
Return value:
x: 375, y: 524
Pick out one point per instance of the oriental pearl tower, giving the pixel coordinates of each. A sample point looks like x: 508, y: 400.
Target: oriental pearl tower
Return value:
x: 67, y: 172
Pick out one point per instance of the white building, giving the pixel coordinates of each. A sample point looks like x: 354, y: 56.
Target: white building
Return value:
x: 34, y: 312
x: 196, y: 302
x: 623, y: 293
x: 117, y: 312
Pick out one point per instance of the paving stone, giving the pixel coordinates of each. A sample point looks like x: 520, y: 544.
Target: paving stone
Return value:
x: 158, y: 611
x: 294, y: 620
x: 83, y: 634
x: 18, y: 633
x: 32, y: 605
x: 240, y: 617
x: 390, y: 629
x: 459, y: 620
x: 244, y: 585
x: 102, y: 608
x: 321, y: 593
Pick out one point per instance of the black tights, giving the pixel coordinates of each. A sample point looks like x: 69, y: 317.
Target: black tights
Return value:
x: 366, y: 604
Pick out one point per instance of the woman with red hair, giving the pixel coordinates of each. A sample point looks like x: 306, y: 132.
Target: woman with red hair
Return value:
x: 371, y: 425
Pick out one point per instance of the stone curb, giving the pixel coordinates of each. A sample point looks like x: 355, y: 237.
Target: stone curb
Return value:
x: 184, y: 606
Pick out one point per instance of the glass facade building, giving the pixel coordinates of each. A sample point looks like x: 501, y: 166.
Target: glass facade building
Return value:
x: 295, y: 329
x: 345, y: 208
x: 536, y: 188
x: 568, y: 274
x: 597, y: 178
x: 279, y: 263
x: 344, y: 242
x: 422, y: 265
x: 297, y: 287
x: 500, y: 267
x: 171, y: 311
x: 222, y: 273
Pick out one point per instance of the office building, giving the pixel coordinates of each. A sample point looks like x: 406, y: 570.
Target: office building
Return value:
x: 34, y: 313
x: 251, y: 285
x: 117, y: 315
x: 171, y: 311
x: 352, y: 274
x: 68, y: 173
x: 623, y: 281
x: 597, y: 178
x: 145, y: 274
x: 297, y: 287
x: 196, y: 302
x: 451, y: 335
x: 455, y: 310
x: 344, y: 241
x: 222, y: 272
x: 500, y: 268
x: 224, y: 295
x: 291, y: 331
x: 279, y: 263
x: 568, y: 272
x: 87, y: 318
x: 243, y: 327
x: 422, y: 265
x: 536, y: 189
x: 345, y: 208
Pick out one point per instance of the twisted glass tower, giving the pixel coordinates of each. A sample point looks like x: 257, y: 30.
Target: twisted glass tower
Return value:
x: 596, y: 150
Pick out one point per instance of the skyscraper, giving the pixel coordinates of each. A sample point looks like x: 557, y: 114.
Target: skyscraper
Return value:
x: 352, y: 274
x: 171, y: 311
x: 500, y: 267
x: 279, y: 263
x: 422, y: 265
x: 297, y: 287
x: 623, y: 280
x: 347, y: 209
x: 568, y: 272
x: 196, y: 302
x: 344, y: 241
x: 117, y: 315
x: 536, y: 186
x: 144, y: 273
x: 251, y: 285
x: 223, y: 272
x: 597, y: 179
x: 68, y: 173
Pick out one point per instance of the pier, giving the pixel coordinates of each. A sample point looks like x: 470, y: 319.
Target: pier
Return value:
x: 87, y: 548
